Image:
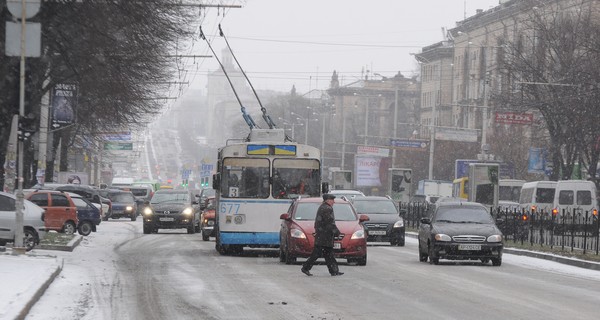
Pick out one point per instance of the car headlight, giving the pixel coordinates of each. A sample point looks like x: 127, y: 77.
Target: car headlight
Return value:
x: 495, y: 238
x: 128, y: 208
x: 399, y: 223
x: 442, y: 237
x: 187, y: 211
x: 358, y: 234
x: 295, y: 233
x: 147, y: 211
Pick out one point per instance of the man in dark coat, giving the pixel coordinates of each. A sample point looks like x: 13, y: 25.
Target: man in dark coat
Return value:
x: 325, y: 231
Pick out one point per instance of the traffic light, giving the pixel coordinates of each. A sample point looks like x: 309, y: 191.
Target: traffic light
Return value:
x: 27, y: 127
x: 184, y: 183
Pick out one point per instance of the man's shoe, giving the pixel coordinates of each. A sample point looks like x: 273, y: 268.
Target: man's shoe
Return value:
x: 337, y: 274
x: 306, y: 272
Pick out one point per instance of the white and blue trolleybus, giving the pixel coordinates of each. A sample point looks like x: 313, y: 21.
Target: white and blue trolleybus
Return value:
x: 255, y: 183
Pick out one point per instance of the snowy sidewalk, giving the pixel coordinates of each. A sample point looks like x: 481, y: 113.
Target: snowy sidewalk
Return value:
x: 23, y: 280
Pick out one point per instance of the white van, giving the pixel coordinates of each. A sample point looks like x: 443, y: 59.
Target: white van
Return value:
x: 575, y: 196
x: 538, y: 195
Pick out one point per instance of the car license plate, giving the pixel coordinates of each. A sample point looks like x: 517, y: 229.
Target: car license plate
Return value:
x: 469, y: 247
x: 337, y: 245
x: 166, y: 219
x: 377, y: 232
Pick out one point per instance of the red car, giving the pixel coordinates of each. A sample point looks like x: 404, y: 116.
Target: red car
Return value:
x: 207, y: 219
x: 297, y: 238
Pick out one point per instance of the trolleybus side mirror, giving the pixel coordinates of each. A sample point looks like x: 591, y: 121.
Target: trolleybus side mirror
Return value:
x: 325, y: 187
x: 216, y: 181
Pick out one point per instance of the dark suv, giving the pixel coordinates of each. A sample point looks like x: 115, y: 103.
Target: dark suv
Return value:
x: 171, y: 209
x: 460, y: 230
x: 385, y: 223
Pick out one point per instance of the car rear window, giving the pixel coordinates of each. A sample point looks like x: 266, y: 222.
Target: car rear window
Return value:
x: 308, y: 211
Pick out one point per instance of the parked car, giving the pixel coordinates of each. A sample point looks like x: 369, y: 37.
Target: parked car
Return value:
x: 61, y: 212
x: 347, y: 193
x: 89, y: 193
x: 34, y: 228
x: 123, y: 204
x: 171, y: 209
x: 297, y: 230
x: 460, y: 230
x: 385, y: 222
x: 87, y: 213
x: 207, y: 218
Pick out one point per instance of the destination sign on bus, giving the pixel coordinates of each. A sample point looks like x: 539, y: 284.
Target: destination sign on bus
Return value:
x: 266, y: 149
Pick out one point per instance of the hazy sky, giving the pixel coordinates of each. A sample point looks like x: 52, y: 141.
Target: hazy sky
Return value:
x: 281, y: 43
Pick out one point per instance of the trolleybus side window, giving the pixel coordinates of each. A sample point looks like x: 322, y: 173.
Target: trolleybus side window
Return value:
x: 293, y: 177
x: 245, y: 178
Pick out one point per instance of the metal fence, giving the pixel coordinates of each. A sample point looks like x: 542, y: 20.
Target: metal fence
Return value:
x: 570, y: 230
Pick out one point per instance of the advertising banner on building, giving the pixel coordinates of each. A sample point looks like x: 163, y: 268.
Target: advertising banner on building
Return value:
x: 514, y: 118
x: 63, y: 104
x: 373, y: 151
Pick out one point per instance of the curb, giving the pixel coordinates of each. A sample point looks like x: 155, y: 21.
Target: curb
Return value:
x: 555, y: 258
x: 40, y: 292
x: 68, y: 247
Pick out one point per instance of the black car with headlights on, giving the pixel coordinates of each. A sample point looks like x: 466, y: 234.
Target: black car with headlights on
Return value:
x: 385, y: 223
x: 171, y: 209
x: 460, y: 230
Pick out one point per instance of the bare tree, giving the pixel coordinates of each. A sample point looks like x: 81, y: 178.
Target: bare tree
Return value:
x: 552, y: 68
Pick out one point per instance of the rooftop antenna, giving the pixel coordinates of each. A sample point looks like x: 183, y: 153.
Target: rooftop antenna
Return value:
x: 245, y: 115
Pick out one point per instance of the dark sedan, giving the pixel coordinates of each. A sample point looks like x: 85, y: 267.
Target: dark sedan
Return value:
x: 460, y: 231
x: 298, y: 227
x: 385, y: 223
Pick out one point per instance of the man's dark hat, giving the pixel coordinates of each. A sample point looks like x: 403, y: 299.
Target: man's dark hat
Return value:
x: 328, y: 196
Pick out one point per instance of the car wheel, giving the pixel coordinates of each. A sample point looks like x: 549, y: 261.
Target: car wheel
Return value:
x: 485, y: 260
x: 85, y: 228
x: 147, y: 229
x: 362, y: 261
x: 29, y: 239
x: 133, y: 217
x: 496, y: 262
x: 289, y: 258
x: 433, y: 259
x: 198, y: 229
x: 191, y: 230
x: 205, y: 236
x: 69, y: 227
x: 401, y: 242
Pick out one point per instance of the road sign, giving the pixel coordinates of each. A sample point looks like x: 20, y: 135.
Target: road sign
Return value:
x: 410, y: 144
x: 118, y: 146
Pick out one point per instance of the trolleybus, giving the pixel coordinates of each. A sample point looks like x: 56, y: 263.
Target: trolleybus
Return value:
x: 255, y: 183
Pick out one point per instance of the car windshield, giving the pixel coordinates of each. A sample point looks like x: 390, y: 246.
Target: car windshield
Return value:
x: 375, y: 207
x: 170, y: 197
x: 308, y: 211
x: 121, y: 197
x: 462, y: 214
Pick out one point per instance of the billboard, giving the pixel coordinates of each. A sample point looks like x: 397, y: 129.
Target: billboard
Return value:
x: 73, y: 178
x: 367, y: 171
x: 63, y: 105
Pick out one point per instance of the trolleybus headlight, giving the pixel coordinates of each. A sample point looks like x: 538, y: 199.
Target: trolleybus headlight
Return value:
x: 295, y: 233
x: 442, y: 237
x: 187, y: 211
x: 359, y: 234
x: 147, y: 211
x: 495, y: 238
